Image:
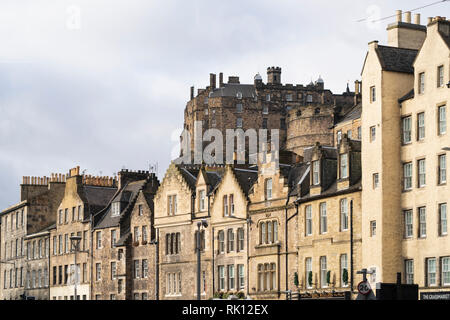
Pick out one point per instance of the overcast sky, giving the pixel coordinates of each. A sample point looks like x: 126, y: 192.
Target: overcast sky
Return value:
x: 103, y: 84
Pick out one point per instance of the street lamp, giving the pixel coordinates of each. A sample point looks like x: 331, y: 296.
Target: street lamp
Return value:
x: 203, y: 223
x: 75, y: 240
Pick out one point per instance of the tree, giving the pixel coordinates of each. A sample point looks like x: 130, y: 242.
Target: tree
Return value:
x: 345, y: 276
x: 310, y: 278
x: 296, y: 279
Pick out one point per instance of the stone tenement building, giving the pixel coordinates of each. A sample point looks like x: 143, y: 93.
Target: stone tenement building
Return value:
x: 39, y: 199
x: 303, y: 114
x: 124, y: 253
x: 405, y: 89
x: 329, y: 219
x: 84, y: 197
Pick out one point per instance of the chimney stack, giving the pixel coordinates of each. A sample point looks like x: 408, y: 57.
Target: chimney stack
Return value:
x: 408, y: 16
x: 357, y: 87
x: 220, y: 80
x: 399, y: 15
x: 417, y: 18
x: 212, y: 81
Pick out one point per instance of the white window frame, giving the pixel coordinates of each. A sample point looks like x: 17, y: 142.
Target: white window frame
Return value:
x: 344, y: 214
x: 407, y: 176
x: 323, y: 217
x: 422, y: 171
x: 431, y: 272
x: 308, y: 220
x: 406, y: 130
x: 445, y: 271
x: 422, y: 222
x: 421, y: 126
x: 408, y: 219
x: 409, y: 271
x: 442, y: 160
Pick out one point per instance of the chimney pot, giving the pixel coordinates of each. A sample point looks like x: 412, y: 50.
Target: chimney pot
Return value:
x: 212, y: 80
x: 192, y: 92
x: 221, y: 80
x: 417, y: 18
x: 408, y: 16
x: 399, y: 15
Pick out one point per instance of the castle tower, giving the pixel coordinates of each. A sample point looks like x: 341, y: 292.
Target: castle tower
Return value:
x: 274, y: 75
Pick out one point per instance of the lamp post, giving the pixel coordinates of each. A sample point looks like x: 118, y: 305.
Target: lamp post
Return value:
x: 75, y: 240
x: 203, y: 223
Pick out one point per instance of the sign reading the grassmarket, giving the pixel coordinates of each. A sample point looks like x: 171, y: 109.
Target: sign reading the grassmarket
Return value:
x: 435, y: 295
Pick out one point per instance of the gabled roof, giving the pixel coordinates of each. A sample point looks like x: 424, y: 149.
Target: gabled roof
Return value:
x: 190, y: 174
x: 246, y: 178
x: 396, y: 59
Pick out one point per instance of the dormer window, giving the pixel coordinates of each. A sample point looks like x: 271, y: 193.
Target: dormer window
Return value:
x: 344, y: 166
x: 316, y: 170
x: 115, y: 209
x: 239, y: 95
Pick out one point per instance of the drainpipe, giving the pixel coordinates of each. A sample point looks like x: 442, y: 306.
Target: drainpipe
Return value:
x: 157, y: 266
x: 249, y: 220
x: 213, y: 263
x: 351, y: 245
x: 91, y: 254
x: 286, y: 240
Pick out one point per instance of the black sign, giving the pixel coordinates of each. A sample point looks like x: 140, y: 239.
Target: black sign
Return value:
x: 444, y: 295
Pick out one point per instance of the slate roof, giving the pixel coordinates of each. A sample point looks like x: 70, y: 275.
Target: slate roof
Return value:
x: 328, y: 152
x: 446, y: 38
x: 190, y: 174
x: 128, y: 195
x: 353, y: 114
x: 246, y: 178
x: 332, y: 190
x: 407, y: 96
x: 231, y: 89
x: 396, y: 59
x: 98, y: 197
x: 296, y: 173
x: 214, y: 179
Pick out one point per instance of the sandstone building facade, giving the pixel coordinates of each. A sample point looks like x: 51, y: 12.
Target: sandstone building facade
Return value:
x: 404, y: 136
x: 39, y: 199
